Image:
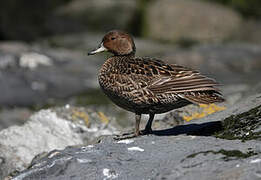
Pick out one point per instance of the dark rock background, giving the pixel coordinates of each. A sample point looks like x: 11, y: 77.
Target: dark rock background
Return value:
x: 44, y: 65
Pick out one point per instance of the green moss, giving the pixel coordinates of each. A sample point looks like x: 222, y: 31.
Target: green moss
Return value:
x: 243, y: 126
x: 228, y: 154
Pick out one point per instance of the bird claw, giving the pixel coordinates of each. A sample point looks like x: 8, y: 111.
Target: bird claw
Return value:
x: 146, y: 132
x: 130, y: 135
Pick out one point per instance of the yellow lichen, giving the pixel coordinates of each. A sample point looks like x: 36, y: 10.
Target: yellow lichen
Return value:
x: 206, y: 110
x: 103, y: 118
x: 81, y: 115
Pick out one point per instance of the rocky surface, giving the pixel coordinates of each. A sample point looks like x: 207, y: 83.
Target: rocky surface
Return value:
x: 39, y: 74
x: 191, y: 20
x: 48, y: 130
x: 185, y: 151
x: 152, y: 157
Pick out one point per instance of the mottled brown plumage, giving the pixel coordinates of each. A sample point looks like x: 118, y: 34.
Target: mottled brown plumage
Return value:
x: 149, y: 85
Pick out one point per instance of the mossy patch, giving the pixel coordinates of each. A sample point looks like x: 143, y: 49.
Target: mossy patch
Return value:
x: 244, y: 126
x: 228, y: 154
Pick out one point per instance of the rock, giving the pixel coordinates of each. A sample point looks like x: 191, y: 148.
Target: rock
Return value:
x: 32, y: 75
x: 184, y: 151
x: 150, y: 157
x: 191, y: 20
x: 48, y: 130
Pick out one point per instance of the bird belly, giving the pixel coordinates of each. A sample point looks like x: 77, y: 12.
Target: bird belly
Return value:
x: 145, y: 105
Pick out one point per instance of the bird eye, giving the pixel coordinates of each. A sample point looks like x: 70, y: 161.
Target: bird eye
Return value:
x: 113, y: 38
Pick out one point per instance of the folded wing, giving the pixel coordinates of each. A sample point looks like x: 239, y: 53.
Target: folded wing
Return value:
x: 188, y: 84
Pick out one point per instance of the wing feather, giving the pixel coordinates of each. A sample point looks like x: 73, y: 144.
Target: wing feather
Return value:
x: 193, y: 82
x: 171, y: 78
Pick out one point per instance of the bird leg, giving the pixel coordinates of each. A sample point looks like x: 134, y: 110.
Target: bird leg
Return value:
x: 137, y: 125
x: 131, y: 135
x: 148, y: 129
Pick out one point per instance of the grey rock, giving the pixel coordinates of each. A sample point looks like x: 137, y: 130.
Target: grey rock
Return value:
x: 48, y: 130
x: 30, y: 75
x: 193, y: 153
x: 151, y: 157
x: 176, y: 20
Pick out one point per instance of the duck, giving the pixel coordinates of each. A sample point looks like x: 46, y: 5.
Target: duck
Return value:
x: 145, y: 85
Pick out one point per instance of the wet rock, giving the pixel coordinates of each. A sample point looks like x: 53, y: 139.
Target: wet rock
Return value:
x: 184, y: 151
x: 191, y: 20
x: 244, y: 126
x: 151, y: 157
x: 48, y: 130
